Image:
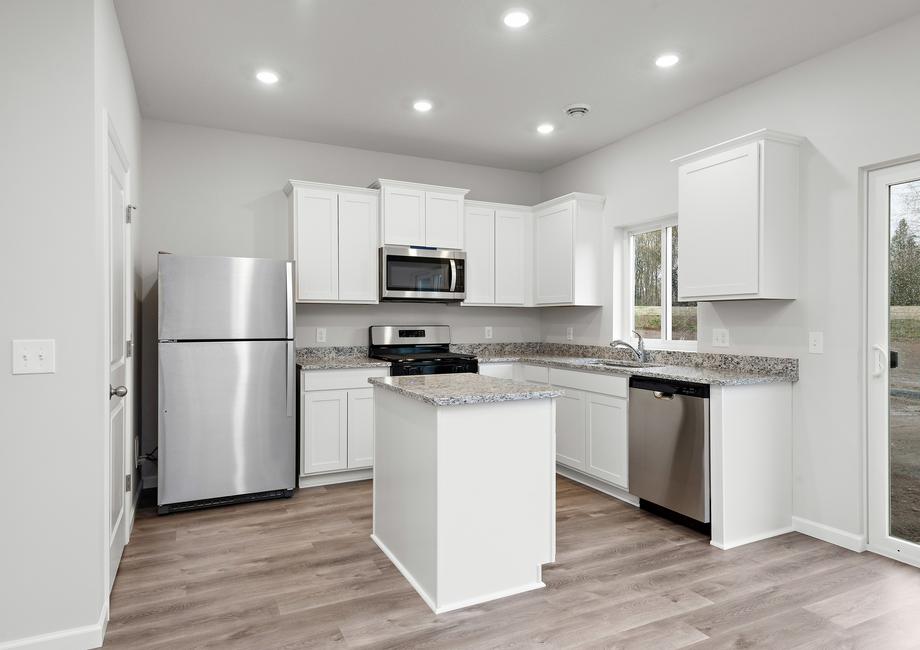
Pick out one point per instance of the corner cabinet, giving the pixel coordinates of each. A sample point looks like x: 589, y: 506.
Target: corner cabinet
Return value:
x: 738, y: 219
x: 413, y: 214
x: 499, y: 240
x: 568, y: 251
x: 333, y: 242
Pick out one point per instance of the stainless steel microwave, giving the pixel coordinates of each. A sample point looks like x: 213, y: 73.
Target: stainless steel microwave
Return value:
x: 435, y: 275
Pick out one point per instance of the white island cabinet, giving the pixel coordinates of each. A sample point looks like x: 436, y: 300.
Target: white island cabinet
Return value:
x: 464, y: 484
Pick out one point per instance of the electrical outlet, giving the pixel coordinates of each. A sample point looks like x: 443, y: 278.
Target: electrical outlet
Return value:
x: 488, y: 332
x: 816, y: 342
x: 720, y: 338
x: 33, y: 357
x: 320, y: 334
x: 569, y: 333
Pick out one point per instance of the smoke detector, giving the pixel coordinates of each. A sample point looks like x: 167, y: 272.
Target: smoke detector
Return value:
x: 577, y: 110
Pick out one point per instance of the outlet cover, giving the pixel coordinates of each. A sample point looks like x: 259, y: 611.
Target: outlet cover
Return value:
x: 488, y: 331
x: 816, y: 342
x: 33, y: 357
x: 720, y: 338
x: 320, y: 334
x: 569, y: 333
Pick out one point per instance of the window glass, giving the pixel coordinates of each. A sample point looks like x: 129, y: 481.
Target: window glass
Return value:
x: 683, y: 314
x: 647, y: 283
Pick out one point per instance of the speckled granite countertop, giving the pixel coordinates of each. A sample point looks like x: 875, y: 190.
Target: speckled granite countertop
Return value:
x: 699, y: 375
x: 464, y: 388
x: 337, y: 357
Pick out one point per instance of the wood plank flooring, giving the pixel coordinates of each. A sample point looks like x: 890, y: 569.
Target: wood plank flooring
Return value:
x: 302, y: 573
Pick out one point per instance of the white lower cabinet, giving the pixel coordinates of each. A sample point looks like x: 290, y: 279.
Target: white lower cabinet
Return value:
x: 499, y: 370
x: 608, y: 439
x: 570, y: 429
x: 337, y: 420
x: 324, y: 418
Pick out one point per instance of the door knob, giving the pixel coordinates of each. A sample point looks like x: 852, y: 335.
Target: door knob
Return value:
x: 121, y: 391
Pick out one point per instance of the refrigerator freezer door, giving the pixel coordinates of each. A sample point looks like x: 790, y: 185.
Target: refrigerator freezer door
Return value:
x: 219, y: 298
x: 226, y: 419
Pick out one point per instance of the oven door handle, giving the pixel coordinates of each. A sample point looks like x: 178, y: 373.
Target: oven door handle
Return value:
x: 453, y: 275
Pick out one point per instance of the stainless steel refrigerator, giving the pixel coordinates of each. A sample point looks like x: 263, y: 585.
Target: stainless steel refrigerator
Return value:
x: 226, y: 380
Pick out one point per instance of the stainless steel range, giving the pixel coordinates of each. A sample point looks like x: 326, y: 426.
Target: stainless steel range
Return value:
x: 418, y: 350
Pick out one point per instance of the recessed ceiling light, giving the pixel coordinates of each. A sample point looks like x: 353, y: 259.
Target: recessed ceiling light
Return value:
x: 267, y: 77
x: 667, y: 60
x: 546, y: 128
x: 422, y: 106
x: 516, y: 18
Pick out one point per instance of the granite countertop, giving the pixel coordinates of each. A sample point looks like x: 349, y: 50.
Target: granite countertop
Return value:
x: 700, y: 375
x: 334, y: 363
x: 464, y: 388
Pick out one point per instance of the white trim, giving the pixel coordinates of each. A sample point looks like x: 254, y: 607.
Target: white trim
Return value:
x: 571, y: 196
x: 753, y: 136
x: 825, y: 533
x: 753, y: 538
x: 334, y: 478
x: 894, y: 555
x: 405, y: 573
x: 330, y: 187
x: 491, y: 205
x: 85, y: 636
x: 380, y: 182
x: 597, y: 484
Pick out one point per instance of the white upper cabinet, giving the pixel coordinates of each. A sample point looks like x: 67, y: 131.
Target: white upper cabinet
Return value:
x: 413, y: 214
x: 333, y: 242
x: 480, y: 256
x: 568, y: 266
x: 738, y: 219
x: 498, y: 241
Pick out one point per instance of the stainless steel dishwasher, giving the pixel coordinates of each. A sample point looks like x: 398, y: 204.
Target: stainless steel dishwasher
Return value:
x: 669, y: 447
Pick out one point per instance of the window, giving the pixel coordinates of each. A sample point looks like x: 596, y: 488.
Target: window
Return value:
x: 654, y: 310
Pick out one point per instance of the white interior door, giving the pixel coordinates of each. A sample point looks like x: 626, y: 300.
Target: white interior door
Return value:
x: 120, y: 441
x: 893, y: 362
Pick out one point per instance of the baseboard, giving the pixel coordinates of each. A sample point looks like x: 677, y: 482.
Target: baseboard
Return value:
x: 405, y: 573
x: 597, y: 484
x: 86, y: 636
x: 753, y: 538
x: 504, y: 593
x: 830, y: 534
x: 332, y: 478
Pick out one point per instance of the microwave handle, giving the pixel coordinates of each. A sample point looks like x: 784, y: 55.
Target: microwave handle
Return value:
x: 453, y: 275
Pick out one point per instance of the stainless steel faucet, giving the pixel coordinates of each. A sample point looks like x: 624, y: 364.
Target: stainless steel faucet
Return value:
x: 638, y: 351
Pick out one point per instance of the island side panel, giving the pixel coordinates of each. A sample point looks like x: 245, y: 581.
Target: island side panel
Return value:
x: 751, y: 462
x: 496, y: 499
x: 405, y: 466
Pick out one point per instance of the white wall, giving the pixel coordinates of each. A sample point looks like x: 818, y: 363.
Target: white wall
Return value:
x: 52, y: 461
x: 857, y: 106
x: 216, y: 192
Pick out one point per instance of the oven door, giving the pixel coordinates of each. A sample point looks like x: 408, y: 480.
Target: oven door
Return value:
x: 422, y: 274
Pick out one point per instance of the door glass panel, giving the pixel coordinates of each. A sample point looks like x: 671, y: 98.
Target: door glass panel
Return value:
x: 406, y: 273
x: 904, y: 376
x: 683, y: 314
x: 647, y: 275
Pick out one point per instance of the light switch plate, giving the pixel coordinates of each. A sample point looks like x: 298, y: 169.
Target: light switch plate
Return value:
x: 720, y: 338
x: 33, y: 357
x: 569, y: 333
x: 488, y: 331
x: 816, y: 342
x: 320, y: 334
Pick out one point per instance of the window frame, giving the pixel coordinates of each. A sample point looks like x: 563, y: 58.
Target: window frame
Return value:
x: 662, y: 342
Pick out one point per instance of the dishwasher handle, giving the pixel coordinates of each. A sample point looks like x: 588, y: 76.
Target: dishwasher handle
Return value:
x: 659, y: 395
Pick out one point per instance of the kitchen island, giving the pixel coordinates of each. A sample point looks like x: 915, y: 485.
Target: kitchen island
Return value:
x: 464, y: 484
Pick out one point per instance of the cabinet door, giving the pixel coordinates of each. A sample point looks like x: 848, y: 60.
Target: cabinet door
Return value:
x: 403, y: 216
x: 357, y: 247
x: 360, y: 428
x: 570, y: 429
x: 324, y: 426
x: 510, y: 240
x: 480, y: 256
x: 554, y: 247
x: 317, y: 249
x: 719, y: 201
x: 608, y: 439
x: 443, y: 220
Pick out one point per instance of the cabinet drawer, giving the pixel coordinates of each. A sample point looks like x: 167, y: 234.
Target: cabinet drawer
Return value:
x: 499, y: 370
x: 589, y: 381
x: 340, y: 379
x: 535, y: 374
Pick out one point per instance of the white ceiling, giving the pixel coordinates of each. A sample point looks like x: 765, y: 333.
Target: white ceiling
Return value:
x: 350, y: 69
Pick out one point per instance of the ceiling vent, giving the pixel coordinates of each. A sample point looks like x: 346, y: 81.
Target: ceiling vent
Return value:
x: 577, y: 110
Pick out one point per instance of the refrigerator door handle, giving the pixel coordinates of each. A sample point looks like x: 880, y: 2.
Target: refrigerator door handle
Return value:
x: 291, y: 380
x: 289, y: 270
